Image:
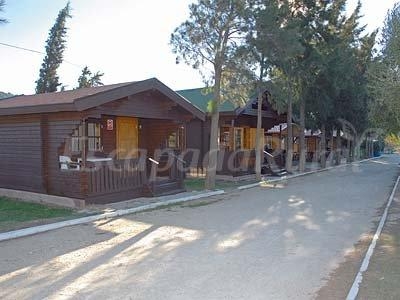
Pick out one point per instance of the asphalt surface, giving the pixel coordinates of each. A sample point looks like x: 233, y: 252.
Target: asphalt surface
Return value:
x: 264, y: 243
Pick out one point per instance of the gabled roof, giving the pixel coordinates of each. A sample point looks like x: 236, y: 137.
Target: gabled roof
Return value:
x: 86, y: 98
x: 200, y: 97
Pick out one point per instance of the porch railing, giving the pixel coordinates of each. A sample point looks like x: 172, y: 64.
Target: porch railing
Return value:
x: 115, y: 176
x: 168, y: 167
x: 236, y: 162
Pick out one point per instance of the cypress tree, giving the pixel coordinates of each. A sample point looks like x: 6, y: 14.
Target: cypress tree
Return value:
x: 55, y: 45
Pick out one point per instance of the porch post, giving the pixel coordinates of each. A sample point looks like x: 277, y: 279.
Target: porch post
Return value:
x: 85, y: 143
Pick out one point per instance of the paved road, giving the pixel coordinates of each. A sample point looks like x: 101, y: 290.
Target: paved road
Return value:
x: 262, y: 243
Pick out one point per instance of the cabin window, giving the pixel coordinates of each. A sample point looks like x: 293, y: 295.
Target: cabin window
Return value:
x: 234, y: 138
x: 225, y: 138
x: 93, y: 138
x: 176, y: 140
x: 77, y: 142
x: 172, y: 140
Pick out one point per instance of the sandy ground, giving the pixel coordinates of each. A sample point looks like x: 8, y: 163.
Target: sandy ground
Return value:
x: 381, y: 280
x: 262, y: 243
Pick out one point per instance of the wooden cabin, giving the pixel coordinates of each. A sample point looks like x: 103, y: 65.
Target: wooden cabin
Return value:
x: 276, y: 137
x: 237, y: 132
x: 100, y: 144
x: 275, y: 140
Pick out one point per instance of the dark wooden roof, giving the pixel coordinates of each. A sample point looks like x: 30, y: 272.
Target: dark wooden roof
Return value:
x: 267, y: 109
x: 85, y: 98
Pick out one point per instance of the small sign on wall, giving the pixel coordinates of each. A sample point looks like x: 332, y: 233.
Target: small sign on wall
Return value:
x: 110, y: 124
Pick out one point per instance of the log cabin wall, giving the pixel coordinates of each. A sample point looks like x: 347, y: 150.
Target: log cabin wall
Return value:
x: 108, y: 135
x: 31, y: 145
x: 197, y: 139
x: 67, y: 183
x: 154, y: 133
x: 196, y: 128
x: 21, y: 153
x: 146, y: 105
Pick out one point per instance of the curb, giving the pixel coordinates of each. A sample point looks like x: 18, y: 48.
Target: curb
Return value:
x: 352, y: 295
x: 121, y: 212
x: 252, y: 185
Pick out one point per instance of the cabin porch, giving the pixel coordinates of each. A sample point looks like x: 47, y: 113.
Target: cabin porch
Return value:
x: 119, y: 158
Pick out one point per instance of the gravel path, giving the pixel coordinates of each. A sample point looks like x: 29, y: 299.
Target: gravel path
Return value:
x: 262, y: 243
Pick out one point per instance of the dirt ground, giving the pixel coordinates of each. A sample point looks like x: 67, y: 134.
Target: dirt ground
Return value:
x: 381, y: 280
x: 262, y: 243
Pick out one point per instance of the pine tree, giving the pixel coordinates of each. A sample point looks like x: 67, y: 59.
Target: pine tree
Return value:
x: 55, y: 45
x: 88, y: 79
x: 210, y: 38
x: 384, y: 76
x: 278, y: 39
x: 338, y: 90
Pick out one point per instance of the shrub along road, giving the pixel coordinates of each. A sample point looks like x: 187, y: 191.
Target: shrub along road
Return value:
x: 262, y: 243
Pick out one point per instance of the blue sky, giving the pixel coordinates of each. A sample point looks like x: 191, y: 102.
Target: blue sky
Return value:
x: 125, y: 39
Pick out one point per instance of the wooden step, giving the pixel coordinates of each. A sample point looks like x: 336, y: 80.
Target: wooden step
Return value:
x: 167, y: 188
x: 274, y: 171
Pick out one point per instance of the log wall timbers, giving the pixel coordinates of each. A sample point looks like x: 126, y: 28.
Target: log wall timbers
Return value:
x: 44, y: 133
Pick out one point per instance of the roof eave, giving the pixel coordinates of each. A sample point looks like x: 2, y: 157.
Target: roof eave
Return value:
x: 98, y: 99
x: 36, y: 109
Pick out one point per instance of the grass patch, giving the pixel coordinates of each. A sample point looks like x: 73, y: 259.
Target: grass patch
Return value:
x: 17, y: 214
x: 194, y: 184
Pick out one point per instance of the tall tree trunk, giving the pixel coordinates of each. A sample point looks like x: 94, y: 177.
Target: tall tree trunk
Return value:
x: 302, y: 158
x: 348, y: 150
x: 371, y: 141
x: 323, y: 147
x: 356, y: 148
x: 260, y: 134
x: 260, y: 131
x: 289, y: 141
x: 331, y: 146
x: 213, y: 154
x: 338, y: 147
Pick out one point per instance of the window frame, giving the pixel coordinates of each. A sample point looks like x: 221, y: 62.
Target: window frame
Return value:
x: 81, y: 135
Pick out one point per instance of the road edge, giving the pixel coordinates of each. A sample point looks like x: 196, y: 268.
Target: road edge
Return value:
x: 352, y: 295
x: 5, y: 236
x: 252, y: 185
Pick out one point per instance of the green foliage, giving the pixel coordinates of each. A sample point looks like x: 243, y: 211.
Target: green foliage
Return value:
x: 337, y: 56
x: 392, y: 141
x: 2, y: 4
x: 277, y: 35
x: 55, y: 45
x: 210, y: 41
x: 89, y: 79
x: 384, y: 76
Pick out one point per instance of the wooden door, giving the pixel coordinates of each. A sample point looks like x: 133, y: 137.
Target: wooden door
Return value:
x: 127, y: 137
x: 250, y: 138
